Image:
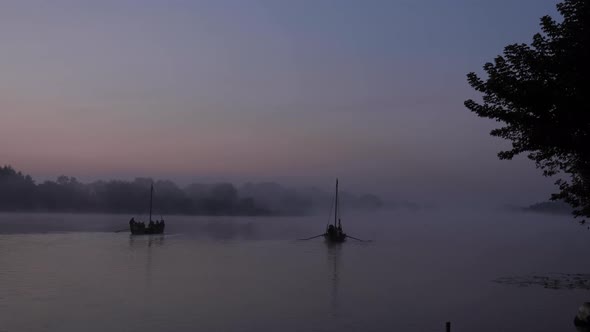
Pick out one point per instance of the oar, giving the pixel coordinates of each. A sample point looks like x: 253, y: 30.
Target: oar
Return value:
x: 309, y: 238
x: 352, y: 237
x: 121, y: 230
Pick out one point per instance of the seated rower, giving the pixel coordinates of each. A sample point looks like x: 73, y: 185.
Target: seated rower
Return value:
x: 331, y: 230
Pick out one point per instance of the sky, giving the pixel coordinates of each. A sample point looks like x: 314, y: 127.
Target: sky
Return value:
x: 297, y: 92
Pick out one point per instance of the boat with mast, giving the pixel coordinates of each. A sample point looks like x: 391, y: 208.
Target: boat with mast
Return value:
x: 334, y: 231
x: 153, y: 227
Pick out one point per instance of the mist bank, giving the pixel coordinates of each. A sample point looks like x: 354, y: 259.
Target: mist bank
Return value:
x: 20, y: 193
x: 553, y: 207
x: 546, y: 207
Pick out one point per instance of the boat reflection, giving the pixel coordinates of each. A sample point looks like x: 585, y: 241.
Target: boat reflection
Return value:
x: 334, y: 256
x: 136, y: 242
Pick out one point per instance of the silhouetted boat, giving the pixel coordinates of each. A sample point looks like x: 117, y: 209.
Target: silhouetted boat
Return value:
x: 153, y: 227
x: 334, y: 232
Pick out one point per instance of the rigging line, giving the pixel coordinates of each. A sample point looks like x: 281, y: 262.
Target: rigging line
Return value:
x: 154, y: 200
x: 339, y: 211
x: 330, y: 216
x: 340, y: 204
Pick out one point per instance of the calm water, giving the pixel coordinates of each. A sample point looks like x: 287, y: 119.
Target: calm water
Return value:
x: 74, y: 273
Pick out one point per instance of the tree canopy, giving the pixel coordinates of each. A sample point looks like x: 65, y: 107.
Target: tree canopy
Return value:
x: 19, y: 192
x: 540, y: 93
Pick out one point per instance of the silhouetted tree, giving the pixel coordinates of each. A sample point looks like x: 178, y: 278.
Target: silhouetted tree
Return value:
x: 541, y: 93
x: 18, y: 192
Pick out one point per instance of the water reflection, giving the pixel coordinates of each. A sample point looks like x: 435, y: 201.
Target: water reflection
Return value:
x: 147, y: 241
x: 229, y: 230
x: 334, y: 257
x: 136, y: 242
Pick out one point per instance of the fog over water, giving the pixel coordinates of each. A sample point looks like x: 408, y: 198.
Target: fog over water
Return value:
x: 249, y: 111
x: 72, y: 272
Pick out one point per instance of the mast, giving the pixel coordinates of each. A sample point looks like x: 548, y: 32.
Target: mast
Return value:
x: 151, y: 198
x: 336, y: 205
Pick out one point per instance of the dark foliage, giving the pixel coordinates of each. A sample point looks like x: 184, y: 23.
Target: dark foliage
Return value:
x: 18, y: 192
x: 540, y: 92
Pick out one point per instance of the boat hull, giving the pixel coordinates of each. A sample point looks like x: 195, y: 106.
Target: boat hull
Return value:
x: 136, y: 229
x: 335, y: 238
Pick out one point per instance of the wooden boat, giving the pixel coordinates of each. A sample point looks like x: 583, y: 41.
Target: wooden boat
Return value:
x: 334, y: 232
x: 153, y: 227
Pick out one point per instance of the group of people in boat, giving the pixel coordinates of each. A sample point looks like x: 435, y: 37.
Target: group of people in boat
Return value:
x: 335, y: 232
x: 138, y: 227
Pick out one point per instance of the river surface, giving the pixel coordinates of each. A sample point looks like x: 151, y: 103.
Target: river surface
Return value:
x: 73, y: 272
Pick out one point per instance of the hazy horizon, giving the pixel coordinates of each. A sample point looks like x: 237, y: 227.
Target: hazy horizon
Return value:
x: 297, y: 93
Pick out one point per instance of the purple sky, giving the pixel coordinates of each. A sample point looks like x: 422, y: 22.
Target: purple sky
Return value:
x: 293, y: 91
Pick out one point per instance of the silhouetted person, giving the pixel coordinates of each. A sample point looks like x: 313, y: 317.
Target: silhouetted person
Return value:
x: 331, y: 230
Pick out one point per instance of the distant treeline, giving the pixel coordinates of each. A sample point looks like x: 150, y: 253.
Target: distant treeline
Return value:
x: 555, y: 207
x: 19, y: 192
